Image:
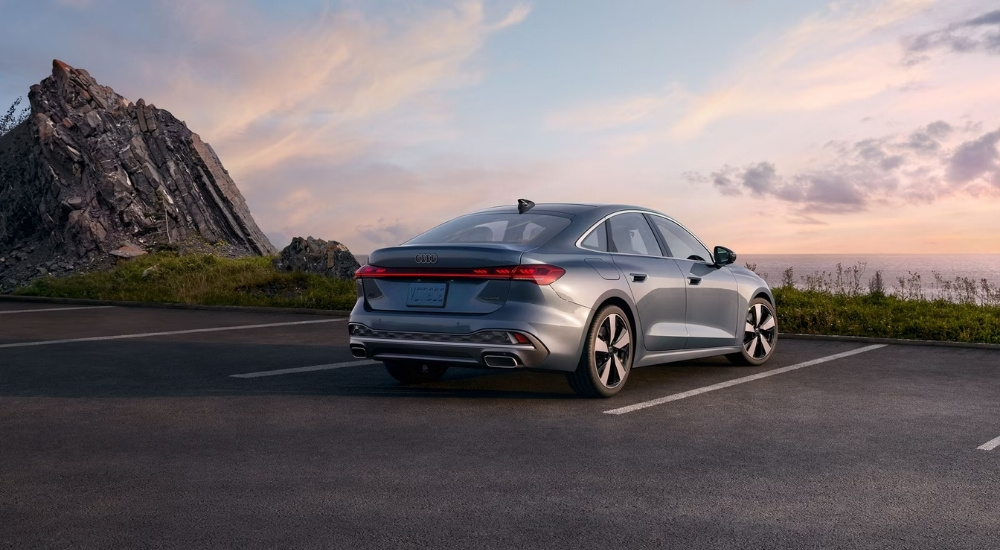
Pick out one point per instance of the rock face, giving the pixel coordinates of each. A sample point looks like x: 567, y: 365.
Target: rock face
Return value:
x: 90, y: 172
x: 317, y: 256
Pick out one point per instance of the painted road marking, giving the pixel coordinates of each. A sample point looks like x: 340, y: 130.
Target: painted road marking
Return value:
x: 990, y: 445
x: 744, y: 380
x: 53, y: 309
x: 331, y: 366
x: 167, y: 333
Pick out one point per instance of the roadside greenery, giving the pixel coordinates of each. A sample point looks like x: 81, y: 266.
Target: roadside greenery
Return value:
x: 823, y: 304
x: 850, y: 281
x: 880, y: 316
x: 841, y: 303
x: 200, y: 279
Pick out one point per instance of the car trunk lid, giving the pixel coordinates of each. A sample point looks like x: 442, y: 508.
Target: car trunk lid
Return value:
x: 466, y: 278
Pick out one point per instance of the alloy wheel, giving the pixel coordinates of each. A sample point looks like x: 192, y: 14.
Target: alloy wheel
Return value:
x: 760, y: 331
x: 612, y: 349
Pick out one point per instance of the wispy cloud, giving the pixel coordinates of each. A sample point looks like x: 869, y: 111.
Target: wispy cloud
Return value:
x: 978, y: 34
x: 975, y: 159
x: 374, y: 203
x: 831, y: 59
x: 310, y: 88
x: 921, y: 166
x: 827, y: 60
x: 616, y: 113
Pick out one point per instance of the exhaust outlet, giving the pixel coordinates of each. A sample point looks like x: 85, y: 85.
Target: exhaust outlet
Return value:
x: 500, y: 361
x: 358, y: 351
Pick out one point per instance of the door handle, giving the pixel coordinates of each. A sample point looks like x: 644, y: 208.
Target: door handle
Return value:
x: 694, y: 280
x: 637, y: 277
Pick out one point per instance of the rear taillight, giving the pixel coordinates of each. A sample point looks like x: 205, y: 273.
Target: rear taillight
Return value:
x: 368, y: 271
x: 542, y: 274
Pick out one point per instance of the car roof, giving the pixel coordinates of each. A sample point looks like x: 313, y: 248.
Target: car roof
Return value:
x: 568, y: 208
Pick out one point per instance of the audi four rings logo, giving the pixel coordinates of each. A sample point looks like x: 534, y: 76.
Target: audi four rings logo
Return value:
x: 426, y: 258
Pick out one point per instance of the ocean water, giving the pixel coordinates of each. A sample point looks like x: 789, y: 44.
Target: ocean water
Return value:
x: 892, y: 266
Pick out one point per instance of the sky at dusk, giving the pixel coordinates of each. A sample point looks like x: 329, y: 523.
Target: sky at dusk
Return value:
x: 772, y: 126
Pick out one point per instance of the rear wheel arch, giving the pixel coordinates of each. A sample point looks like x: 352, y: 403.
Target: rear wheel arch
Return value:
x: 608, y: 353
x: 625, y: 306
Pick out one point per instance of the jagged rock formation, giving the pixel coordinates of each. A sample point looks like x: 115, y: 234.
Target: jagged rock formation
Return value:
x: 90, y: 172
x: 317, y: 256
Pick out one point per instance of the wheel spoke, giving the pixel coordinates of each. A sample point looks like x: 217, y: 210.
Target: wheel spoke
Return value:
x: 605, y: 369
x: 624, y: 339
x: 765, y: 345
x: 757, y: 314
x: 768, y: 324
x: 620, y: 367
x: 600, y: 346
x: 748, y: 328
x: 752, y: 347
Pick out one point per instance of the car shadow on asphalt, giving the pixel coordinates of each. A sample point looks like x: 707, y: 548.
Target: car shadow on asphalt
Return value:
x: 196, y: 368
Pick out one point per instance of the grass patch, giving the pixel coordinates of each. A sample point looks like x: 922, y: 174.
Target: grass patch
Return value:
x: 210, y: 280
x: 200, y: 279
x: 879, y: 316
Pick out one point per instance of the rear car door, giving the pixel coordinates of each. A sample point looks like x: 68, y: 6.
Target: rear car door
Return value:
x: 656, y: 283
x: 712, y: 296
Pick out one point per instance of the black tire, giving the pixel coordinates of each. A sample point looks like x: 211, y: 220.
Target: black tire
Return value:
x: 760, y: 335
x: 406, y: 372
x: 602, y: 373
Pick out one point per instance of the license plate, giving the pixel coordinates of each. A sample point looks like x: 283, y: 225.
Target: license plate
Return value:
x: 426, y: 294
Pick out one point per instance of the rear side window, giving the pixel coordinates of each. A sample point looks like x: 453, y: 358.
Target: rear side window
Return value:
x: 530, y: 229
x: 597, y: 239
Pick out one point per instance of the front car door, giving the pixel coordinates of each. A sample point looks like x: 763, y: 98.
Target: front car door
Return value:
x: 656, y: 282
x: 712, y: 295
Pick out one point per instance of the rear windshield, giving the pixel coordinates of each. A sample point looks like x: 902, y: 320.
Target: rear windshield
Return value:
x: 530, y: 229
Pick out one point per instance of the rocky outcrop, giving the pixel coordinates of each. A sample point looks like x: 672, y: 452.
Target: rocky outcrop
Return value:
x: 311, y: 255
x: 90, y: 172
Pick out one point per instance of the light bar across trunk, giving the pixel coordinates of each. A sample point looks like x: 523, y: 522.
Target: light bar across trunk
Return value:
x: 542, y: 274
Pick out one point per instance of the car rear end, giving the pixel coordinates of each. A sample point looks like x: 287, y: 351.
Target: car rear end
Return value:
x: 474, y: 292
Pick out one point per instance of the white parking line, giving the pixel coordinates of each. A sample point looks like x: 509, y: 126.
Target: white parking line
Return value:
x: 167, y: 333
x: 745, y: 379
x: 331, y: 366
x: 53, y: 309
x: 990, y: 445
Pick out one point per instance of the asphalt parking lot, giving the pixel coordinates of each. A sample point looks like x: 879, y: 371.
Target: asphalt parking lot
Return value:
x: 144, y: 427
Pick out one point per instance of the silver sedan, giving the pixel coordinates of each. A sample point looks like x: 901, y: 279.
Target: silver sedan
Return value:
x: 589, y: 290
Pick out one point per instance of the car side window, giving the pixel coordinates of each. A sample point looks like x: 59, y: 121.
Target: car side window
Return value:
x: 681, y: 243
x: 597, y: 239
x: 631, y: 234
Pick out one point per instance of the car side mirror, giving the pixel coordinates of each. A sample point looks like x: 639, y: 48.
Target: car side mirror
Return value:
x: 724, y: 256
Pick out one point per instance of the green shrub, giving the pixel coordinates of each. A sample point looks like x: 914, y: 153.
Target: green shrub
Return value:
x: 881, y: 316
x: 200, y: 279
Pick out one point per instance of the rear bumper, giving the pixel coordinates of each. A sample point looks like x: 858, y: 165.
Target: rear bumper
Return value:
x: 554, y: 329
x: 486, y: 349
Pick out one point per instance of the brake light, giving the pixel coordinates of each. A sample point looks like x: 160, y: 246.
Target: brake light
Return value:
x: 541, y: 274
x: 368, y: 271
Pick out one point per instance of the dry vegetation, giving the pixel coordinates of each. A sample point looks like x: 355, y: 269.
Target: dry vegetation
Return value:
x: 200, y: 279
